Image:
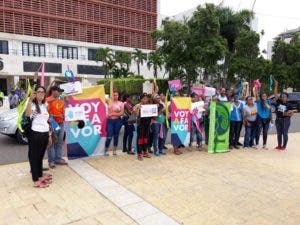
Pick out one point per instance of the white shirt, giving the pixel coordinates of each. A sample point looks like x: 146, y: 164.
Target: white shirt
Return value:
x: 222, y: 99
x: 40, y: 120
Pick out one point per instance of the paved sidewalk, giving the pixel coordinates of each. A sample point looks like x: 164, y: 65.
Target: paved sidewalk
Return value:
x: 243, y: 187
x: 69, y: 200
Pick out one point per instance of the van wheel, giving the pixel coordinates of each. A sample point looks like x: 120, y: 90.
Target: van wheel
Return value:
x: 21, y: 138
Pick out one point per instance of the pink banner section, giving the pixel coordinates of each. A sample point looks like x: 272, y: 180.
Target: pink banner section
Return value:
x: 174, y: 85
x: 200, y: 91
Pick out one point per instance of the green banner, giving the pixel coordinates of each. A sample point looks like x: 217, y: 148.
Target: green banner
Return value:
x: 219, y: 126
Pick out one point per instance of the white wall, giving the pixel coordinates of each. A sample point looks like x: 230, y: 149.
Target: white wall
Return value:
x: 13, y: 63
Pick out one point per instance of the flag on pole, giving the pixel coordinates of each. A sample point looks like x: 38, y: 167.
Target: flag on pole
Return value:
x: 43, y: 75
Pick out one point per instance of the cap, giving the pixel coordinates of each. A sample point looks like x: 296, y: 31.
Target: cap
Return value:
x: 56, y: 88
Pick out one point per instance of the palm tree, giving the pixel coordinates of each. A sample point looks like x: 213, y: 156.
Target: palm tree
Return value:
x: 156, y: 61
x: 124, y: 61
x: 139, y: 57
x: 106, y: 56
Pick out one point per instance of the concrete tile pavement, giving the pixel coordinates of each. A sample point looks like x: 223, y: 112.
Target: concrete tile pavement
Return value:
x: 68, y: 200
x: 241, y: 187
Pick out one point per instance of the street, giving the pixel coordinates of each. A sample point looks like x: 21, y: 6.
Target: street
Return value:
x: 12, y: 152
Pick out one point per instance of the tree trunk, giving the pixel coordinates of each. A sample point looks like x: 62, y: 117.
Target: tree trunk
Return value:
x: 155, y: 71
x: 138, y: 68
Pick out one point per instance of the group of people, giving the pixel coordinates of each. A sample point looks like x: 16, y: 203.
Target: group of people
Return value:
x: 46, y: 113
x: 254, y: 113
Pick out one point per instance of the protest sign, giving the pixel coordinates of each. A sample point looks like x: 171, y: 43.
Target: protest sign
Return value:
x: 72, y: 88
x: 149, y: 110
x: 74, y: 114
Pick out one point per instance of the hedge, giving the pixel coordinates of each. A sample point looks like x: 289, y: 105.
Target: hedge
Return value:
x: 132, y: 86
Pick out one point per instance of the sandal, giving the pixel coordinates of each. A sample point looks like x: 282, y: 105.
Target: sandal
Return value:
x: 146, y: 155
x: 41, y: 185
x: 62, y: 162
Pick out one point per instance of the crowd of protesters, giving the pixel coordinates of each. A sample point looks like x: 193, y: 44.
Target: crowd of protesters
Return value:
x: 46, y: 111
x: 254, y: 113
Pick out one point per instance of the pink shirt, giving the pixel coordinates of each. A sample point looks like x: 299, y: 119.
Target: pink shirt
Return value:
x: 116, y: 107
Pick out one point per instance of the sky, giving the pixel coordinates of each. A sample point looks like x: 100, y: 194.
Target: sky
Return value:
x: 274, y: 16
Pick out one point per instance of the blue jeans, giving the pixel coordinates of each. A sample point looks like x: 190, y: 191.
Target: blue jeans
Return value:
x: 194, y: 132
x: 128, y: 135
x: 282, y: 127
x: 250, y: 134
x: 113, y: 127
x: 263, y: 125
x: 157, y: 141
x: 55, y: 152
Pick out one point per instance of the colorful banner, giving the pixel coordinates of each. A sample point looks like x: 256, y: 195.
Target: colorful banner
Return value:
x: 88, y: 141
x: 180, y: 121
x: 200, y: 91
x: 219, y: 126
x: 174, y: 85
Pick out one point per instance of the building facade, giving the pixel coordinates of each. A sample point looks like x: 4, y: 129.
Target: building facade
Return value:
x: 65, y: 33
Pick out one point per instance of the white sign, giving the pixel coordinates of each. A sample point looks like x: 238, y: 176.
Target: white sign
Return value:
x: 74, y: 114
x: 209, y: 91
x: 149, y: 111
x: 72, y: 88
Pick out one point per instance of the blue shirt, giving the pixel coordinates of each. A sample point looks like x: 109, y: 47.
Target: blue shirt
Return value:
x: 236, y: 113
x: 263, y: 111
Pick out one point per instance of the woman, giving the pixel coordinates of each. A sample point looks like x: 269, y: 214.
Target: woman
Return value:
x: 143, y: 125
x: 250, y: 122
x: 38, y: 137
x: 196, y: 116
x: 264, y: 117
x: 113, y: 122
x: 128, y: 125
x: 157, y: 129
x: 236, y: 121
x: 284, y: 112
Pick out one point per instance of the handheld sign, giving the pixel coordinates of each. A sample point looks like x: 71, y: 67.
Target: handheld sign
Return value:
x: 149, y: 111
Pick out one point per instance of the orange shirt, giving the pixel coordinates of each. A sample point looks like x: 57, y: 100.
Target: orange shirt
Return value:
x: 56, y: 108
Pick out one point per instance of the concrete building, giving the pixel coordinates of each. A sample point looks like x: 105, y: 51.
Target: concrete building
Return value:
x: 285, y: 36
x: 65, y: 33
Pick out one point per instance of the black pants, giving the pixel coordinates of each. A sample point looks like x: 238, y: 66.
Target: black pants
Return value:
x: 142, y: 135
x: 37, y: 144
x: 263, y: 125
x: 282, y: 127
x: 234, y: 136
x: 128, y: 134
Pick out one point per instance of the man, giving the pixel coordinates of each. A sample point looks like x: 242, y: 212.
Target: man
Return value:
x: 222, y: 97
x: 13, y: 100
x: 56, y: 110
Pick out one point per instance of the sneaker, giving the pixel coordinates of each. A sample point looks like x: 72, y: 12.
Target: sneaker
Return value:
x: 265, y: 147
x: 156, y: 153
x: 282, y: 149
x: 254, y: 146
x: 278, y: 148
x: 146, y: 155
x: 236, y: 147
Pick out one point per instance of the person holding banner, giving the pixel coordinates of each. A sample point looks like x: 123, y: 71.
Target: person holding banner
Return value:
x: 113, y: 122
x: 250, y: 122
x: 196, y: 118
x: 284, y: 112
x: 143, y: 124
x: 39, y: 136
x: 157, y: 129
x: 236, y: 121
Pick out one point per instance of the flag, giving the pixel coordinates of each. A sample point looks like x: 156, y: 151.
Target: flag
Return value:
x: 22, y: 106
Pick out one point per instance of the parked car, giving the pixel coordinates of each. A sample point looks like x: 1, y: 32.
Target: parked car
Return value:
x: 9, y: 127
x: 293, y: 99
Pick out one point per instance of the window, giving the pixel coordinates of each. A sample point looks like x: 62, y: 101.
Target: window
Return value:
x: 92, y: 54
x: 67, y: 52
x: 33, y: 49
x: 3, y: 47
